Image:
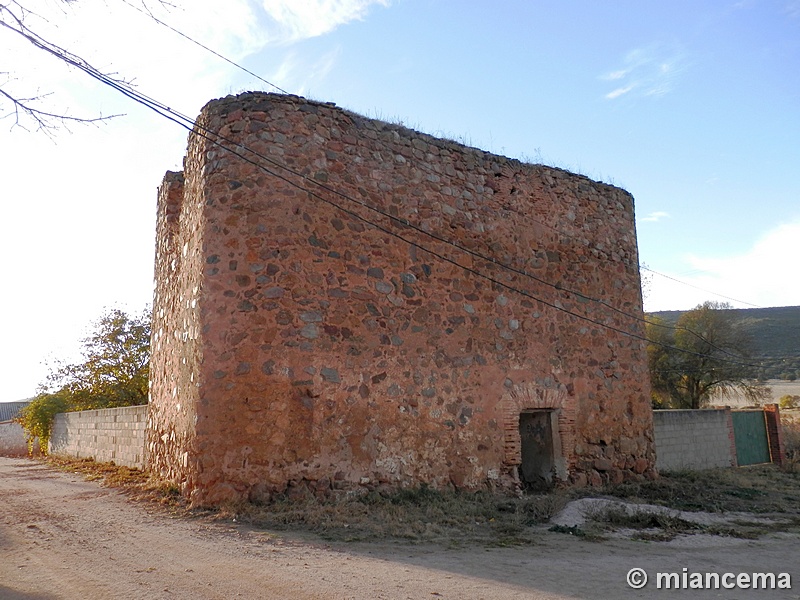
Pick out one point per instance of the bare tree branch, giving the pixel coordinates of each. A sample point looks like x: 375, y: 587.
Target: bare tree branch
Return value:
x: 24, y: 108
x: 43, y: 120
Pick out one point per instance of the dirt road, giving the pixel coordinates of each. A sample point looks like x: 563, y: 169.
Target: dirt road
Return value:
x: 65, y: 538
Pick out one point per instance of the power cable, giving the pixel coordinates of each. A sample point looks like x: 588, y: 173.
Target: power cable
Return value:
x: 215, y: 139
x: 150, y: 15
x: 698, y: 288
x: 477, y: 255
x: 579, y: 295
x: 189, y: 124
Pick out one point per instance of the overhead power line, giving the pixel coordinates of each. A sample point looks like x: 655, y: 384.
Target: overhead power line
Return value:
x: 406, y: 223
x: 561, y: 289
x: 477, y: 255
x: 189, y: 124
x: 145, y: 11
x: 698, y: 288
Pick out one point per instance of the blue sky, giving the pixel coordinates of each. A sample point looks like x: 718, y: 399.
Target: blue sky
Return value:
x: 693, y: 107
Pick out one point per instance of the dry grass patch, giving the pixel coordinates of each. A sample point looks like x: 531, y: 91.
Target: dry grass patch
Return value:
x: 757, y: 489
x: 455, y: 518
x: 790, y: 420
x: 134, y: 482
x: 416, y: 515
x: 413, y: 515
x: 650, y: 526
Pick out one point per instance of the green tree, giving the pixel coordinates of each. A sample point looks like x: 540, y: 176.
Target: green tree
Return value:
x: 114, y: 372
x: 115, y: 368
x: 706, y: 352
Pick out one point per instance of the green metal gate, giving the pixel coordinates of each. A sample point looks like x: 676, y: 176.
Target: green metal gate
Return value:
x: 750, y: 435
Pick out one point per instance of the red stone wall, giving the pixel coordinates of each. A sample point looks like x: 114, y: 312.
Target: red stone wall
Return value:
x: 302, y: 347
x: 174, y: 363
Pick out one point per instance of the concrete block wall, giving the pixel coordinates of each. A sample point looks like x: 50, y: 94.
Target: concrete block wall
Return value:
x: 111, y: 434
x: 694, y: 439
x: 12, y: 440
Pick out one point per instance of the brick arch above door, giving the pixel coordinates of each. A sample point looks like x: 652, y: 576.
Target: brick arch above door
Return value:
x: 530, y: 397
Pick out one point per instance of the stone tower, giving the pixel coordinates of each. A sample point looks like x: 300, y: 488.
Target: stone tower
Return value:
x: 343, y: 303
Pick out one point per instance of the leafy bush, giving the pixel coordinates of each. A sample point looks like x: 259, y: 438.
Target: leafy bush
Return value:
x: 789, y: 401
x: 37, y: 418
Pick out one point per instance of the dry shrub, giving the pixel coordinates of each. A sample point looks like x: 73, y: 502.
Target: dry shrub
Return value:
x: 791, y: 440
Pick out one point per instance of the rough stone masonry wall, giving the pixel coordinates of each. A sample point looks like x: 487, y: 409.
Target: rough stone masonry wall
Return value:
x: 296, y: 346
x: 109, y: 434
x: 174, y: 349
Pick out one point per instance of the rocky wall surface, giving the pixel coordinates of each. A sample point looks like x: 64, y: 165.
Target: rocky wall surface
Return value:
x: 359, y: 304
x: 173, y: 345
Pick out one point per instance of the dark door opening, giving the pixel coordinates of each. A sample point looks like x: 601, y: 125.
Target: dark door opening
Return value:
x: 538, y: 456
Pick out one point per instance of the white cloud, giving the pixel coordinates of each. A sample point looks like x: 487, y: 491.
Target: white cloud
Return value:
x: 762, y: 276
x: 301, y: 19
x: 97, y: 186
x: 230, y: 28
x: 317, y: 71
x: 285, y: 69
x: 117, y: 39
x: 615, y: 75
x: 654, y: 217
x: 619, y: 92
x: 651, y: 70
x: 298, y: 75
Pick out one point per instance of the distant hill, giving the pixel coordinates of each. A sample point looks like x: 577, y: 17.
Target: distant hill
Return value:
x: 775, y: 333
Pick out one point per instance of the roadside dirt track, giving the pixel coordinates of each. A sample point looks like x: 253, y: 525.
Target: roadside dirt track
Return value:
x: 65, y: 538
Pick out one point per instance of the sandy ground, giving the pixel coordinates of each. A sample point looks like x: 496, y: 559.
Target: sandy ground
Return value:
x: 65, y: 538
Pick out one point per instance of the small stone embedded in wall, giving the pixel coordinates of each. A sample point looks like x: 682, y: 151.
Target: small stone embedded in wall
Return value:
x: 242, y: 368
x: 330, y: 375
x: 310, y: 331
